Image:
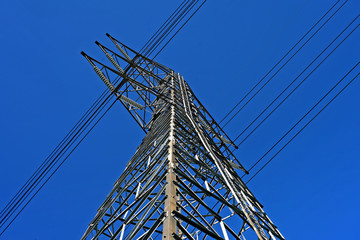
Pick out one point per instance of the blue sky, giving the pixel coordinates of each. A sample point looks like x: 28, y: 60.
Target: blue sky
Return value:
x: 310, y: 190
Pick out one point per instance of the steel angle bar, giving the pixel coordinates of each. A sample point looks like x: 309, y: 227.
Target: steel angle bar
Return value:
x: 146, y: 210
x: 215, y: 174
x: 143, y: 198
x: 128, y: 184
x: 191, y: 193
x: 219, y: 198
x: 185, y: 134
x: 265, y: 223
x: 198, y: 147
x: 159, y: 152
x: 154, y: 152
x: 94, y: 223
x: 198, y: 226
x: 158, y: 126
x: 183, y: 120
x: 222, y: 220
x: 187, y: 172
x: 153, y: 176
x: 184, y: 154
x: 148, y: 182
x: 121, y: 204
x: 191, y: 216
x: 164, y: 68
x: 114, y: 90
x: 215, y: 191
x: 177, y: 100
x: 206, y: 167
x: 143, y: 220
x: 128, y: 208
x: 184, y: 231
x: 216, y: 134
x: 143, y: 72
x: 232, y: 232
x: 176, y: 237
x: 136, y: 170
x: 207, y: 113
x: 186, y: 101
x: 253, y: 221
x: 136, y: 66
x: 197, y: 198
x: 192, y: 149
x: 122, y: 213
x: 195, y: 209
x: 153, y: 121
x: 128, y: 172
x: 153, y: 227
x: 151, y: 152
x: 240, y: 185
x: 219, y: 210
x: 194, y: 177
x: 190, y: 161
x: 126, y: 77
x: 106, y: 235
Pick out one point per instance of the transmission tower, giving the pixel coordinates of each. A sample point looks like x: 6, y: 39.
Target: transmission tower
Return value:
x: 181, y: 182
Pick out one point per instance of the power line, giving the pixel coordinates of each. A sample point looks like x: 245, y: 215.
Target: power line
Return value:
x: 265, y: 46
x: 185, y: 11
x: 162, y: 27
x: 296, y: 79
x: 293, y: 55
x: 181, y: 27
x: 332, y: 99
x: 62, y: 162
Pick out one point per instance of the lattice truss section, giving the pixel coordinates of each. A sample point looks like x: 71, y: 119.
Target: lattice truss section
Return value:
x: 182, y: 182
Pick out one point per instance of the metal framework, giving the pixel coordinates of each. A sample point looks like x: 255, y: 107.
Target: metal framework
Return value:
x: 181, y: 182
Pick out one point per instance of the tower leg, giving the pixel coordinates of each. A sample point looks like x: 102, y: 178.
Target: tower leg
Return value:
x: 169, y: 226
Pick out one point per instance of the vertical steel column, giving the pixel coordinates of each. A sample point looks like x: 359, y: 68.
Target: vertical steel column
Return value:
x: 169, y: 226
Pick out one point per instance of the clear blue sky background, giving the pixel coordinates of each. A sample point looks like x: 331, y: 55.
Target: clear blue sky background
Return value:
x: 310, y: 190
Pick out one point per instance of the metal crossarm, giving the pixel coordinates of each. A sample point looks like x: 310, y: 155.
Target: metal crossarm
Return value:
x: 182, y: 181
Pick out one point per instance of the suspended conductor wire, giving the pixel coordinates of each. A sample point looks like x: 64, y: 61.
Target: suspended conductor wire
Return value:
x: 292, y: 56
x: 265, y: 46
x: 169, y: 19
x: 62, y: 162
x: 185, y: 11
x: 297, y: 86
x: 332, y: 99
x: 180, y: 28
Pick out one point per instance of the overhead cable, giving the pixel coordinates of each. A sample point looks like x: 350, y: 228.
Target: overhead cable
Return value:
x: 281, y: 60
x: 301, y: 82
x: 302, y: 118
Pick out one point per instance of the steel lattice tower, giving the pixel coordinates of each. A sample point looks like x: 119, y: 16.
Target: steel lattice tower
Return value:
x: 181, y: 182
